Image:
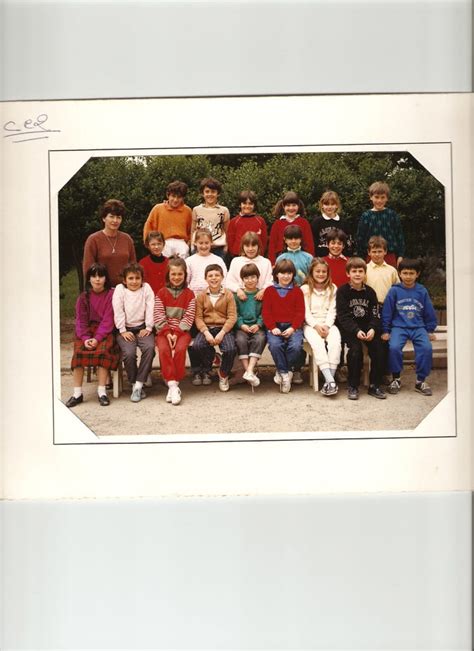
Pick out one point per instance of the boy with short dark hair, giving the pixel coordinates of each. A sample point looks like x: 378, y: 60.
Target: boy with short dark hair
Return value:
x: 336, y: 241
x: 216, y: 315
x: 408, y: 313
x: 380, y: 220
x: 380, y: 275
x: 359, y: 322
x: 212, y: 215
x: 173, y: 219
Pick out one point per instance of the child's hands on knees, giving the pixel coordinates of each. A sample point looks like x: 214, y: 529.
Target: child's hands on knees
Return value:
x: 219, y: 337
x: 144, y: 332
x: 172, y: 339
x: 254, y: 328
x: 128, y: 336
x: 432, y: 336
x: 276, y: 332
x: 322, y: 330
x: 361, y: 335
x: 209, y: 338
x: 370, y: 334
x: 385, y: 336
x: 288, y: 332
x: 91, y: 343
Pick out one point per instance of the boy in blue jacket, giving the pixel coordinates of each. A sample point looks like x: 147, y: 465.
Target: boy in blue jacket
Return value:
x: 408, y: 313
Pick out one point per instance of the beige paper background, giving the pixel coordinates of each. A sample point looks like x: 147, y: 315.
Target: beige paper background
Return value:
x: 35, y: 468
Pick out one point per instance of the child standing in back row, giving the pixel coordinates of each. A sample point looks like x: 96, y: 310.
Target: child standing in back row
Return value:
x: 247, y: 220
x: 289, y: 210
x: 330, y: 207
x: 173, y: 219
x: 212, y: 215
x: 380, y: 220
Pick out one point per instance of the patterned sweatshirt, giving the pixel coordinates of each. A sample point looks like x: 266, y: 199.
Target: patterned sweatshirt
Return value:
x: 357, y: 309
x: 408, y: 307
x: 175, y: 309
x: 384, y: 222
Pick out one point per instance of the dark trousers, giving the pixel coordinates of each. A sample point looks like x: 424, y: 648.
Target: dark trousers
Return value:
x: 206, y: 352
x: 355, y: 359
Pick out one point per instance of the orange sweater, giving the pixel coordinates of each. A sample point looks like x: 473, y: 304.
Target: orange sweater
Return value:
x: 172, y: 222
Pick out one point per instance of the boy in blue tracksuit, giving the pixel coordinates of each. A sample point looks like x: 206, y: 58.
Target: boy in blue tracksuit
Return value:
x: 408, y: 313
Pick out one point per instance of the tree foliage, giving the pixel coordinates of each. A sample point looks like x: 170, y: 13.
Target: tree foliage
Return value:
x: 141, y: 181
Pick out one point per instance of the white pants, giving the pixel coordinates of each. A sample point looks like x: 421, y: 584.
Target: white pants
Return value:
x: 324, y: 358
x: 173, y: 246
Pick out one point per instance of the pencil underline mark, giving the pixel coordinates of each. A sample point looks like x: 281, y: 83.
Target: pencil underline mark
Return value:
x: 28, y: 139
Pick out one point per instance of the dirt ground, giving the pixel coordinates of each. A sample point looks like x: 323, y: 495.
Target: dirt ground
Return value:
x: 240, y: 410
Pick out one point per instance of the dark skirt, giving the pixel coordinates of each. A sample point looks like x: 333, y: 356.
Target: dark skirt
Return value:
x: 107, y: 353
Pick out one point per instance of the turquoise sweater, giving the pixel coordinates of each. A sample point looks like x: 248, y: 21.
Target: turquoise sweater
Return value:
x: 249, y: 312
x: 301, y: 260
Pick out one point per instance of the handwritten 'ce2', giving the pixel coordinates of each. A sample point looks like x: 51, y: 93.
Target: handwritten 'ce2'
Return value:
x: 30, y: 127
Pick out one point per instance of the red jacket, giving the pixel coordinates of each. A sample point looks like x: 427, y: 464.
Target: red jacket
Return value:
x: 286, y: 309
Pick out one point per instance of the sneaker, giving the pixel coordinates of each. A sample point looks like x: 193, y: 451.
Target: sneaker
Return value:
x: 175, y: 395
x: 424, y: 388
x: 297, y: 377
x: 251, y: 378
x: 142, y: 394
x: 353, y: 393
x: 285, y: 383
x: 277, y: 377
x: 136, y: 395
x: 376, y: 392
x: 168, y: 396
x: 206, y: 379
x: 329, y: 389
x: 197, y: 380
x: 223, y: 381
x: 394, y: 386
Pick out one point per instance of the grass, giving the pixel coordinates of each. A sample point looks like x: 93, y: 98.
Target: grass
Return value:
x: 68, y: 291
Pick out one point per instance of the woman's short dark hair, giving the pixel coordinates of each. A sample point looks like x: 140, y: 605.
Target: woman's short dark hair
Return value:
x: 112, y: 207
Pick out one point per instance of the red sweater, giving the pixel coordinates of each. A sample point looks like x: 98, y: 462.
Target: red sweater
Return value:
x: 337, y: 267
x: 155, y: 272
x: 277, y: 243
x: 286, y: 309
x: 239, y: 225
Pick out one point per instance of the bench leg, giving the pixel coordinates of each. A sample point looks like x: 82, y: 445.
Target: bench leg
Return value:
x: 118, y: 381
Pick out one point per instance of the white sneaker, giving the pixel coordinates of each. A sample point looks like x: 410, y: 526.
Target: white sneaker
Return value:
x: 136, y: 395
x: 251, y: 378
x: 175, y: 395
x: 277, y: 378
x: 285, y: 383
x: 168, y: 396
x: 223, y: 382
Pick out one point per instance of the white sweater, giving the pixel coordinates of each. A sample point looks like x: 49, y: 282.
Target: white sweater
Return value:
x: 320, y: 307
x: 131, y: 309
x: 196, y: 265
x: 234, y: 281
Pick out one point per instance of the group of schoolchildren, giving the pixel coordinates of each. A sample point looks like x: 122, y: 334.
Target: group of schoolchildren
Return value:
x: 206, y: 290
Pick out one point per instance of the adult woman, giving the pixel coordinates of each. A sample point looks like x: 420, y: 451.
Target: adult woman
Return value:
x: 109, y: 246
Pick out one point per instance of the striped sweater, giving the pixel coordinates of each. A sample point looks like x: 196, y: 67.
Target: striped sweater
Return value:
x: 174, y: 309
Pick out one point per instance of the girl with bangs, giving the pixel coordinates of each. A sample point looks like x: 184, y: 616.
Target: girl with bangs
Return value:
x: 250, y: 253
x: 320, y: 315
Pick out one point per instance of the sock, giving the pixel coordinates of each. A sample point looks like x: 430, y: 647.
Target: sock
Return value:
x: 172, y: 383
x: 327, y: 374
x: 101, y: 390
x: 420, y: 380
x: 333, y: 372
x: 138, y: 385
x: 77, y: 392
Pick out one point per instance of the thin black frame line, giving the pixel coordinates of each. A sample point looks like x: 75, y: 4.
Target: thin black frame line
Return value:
x: 374, y: 438
x: 240, y: 96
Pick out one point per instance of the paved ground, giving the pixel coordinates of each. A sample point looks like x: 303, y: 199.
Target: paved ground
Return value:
x: 208, y: 410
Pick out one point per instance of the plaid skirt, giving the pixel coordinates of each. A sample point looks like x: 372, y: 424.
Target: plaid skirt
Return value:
x: 107, y: 353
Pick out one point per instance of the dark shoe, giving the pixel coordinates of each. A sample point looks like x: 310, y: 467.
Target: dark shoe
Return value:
x: 353, y: 393
x: 394, y: 386
x: 72, y: 402
x: 103, y: 401
x: 424, y: 388
x: 376, y: 392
